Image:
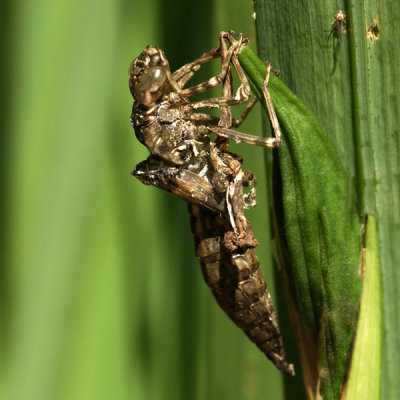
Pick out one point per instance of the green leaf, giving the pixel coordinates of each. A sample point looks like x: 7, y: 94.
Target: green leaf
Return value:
x: 321, y: 227
x: 365, y: 372
x: 358, y: 103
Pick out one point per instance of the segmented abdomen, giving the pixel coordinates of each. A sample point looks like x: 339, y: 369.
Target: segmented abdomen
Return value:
x: 238, y: 284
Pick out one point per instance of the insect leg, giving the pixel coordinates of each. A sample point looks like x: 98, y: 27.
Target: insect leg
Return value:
x: 238, y: 121
x: 184, y: 73
x: 214, y: 81
x: 227, y: 89
x: 178, y: 79
x: 243, y: 92
x: 209, y: 119
x: 226, y: 57
x: 226, y: 120
x: 240, y: 137
x: 271, y: 110
x: 251, y: 139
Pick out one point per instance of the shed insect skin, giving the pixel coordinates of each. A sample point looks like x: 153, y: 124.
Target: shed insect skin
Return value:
x: 339, y: 25
x: 209, y: 177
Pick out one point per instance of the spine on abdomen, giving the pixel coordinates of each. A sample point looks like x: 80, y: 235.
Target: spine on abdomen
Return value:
x: 238, y: 284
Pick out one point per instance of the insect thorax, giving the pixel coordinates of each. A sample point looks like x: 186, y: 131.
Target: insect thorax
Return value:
x: 170, y: 134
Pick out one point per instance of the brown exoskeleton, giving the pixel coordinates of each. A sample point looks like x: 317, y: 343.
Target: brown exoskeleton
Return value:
x: 339, y: 25
x: 183, y: 160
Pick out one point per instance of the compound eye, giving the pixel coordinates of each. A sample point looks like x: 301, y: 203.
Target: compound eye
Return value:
x: 155, y: 59
x: 150, y: 86
x: 152, y: 79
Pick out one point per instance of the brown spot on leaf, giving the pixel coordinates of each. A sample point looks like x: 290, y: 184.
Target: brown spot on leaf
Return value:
x: 373, y: 31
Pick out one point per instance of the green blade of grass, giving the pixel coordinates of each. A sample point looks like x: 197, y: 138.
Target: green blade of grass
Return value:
x: 366, y: 365
x: 320, y: 227
x: 358, y: 103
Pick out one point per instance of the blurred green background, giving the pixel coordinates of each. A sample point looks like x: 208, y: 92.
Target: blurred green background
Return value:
x: 101, y: 294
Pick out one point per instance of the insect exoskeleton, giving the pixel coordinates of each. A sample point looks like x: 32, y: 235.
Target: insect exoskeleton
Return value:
x: 339, y: 25
x: 184, y: 161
